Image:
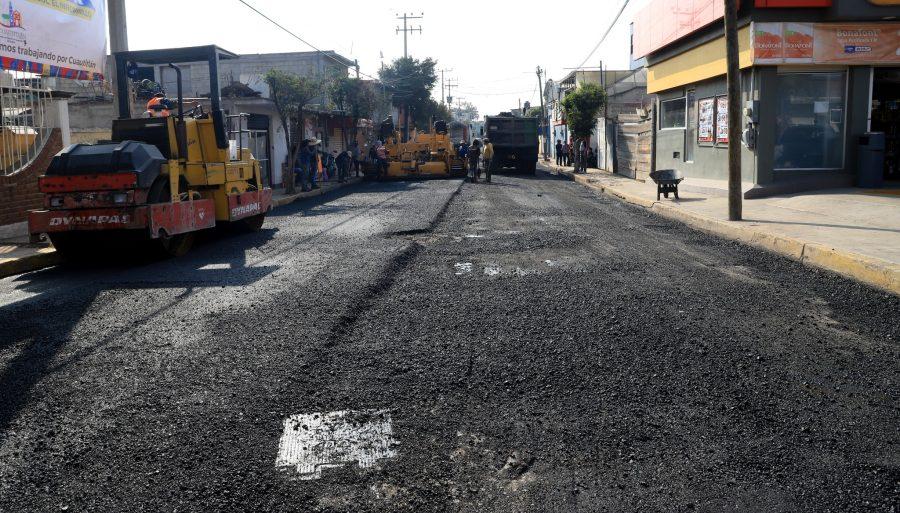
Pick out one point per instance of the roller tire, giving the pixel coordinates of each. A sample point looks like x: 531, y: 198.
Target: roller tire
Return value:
x: 175, y: 245
x: 253, y: 224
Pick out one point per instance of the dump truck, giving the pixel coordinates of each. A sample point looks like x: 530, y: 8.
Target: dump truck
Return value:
x: 159, y: 179
x: 515, y: 141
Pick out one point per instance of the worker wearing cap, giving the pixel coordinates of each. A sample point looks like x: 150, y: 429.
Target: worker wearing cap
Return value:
x: 158, y: 106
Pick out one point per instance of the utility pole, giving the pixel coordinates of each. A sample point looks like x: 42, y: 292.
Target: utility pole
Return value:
x: 118, y: 28
x: 442, y: 84
x: 734, y: 112
x: 543, y: 124
x: 406, y: 30
x: 356, y: 65
x: 118, y: 38
x: 603, y: 86
x: 450, y: 86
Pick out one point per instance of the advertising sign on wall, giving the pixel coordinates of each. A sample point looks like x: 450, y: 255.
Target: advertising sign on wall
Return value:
x: 826, y: 43
x: 722, y: 119
x: 768, y: 43
x: 857, y: 42
x: 798, y: 42
x: 59, y: 38
x: 706, y: 120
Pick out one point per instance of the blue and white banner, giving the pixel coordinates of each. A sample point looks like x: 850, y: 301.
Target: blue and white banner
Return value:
x: 64, y: 38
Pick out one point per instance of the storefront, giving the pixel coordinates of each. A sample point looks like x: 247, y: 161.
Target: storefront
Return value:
x: 810, y: 91
x: 885, y: 116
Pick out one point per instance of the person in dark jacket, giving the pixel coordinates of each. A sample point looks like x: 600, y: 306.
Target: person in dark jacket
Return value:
x: 305, y: 160
x: 473, y: 154
x: 355, y: 157
x: 343, y: 162
x: 559, y: 152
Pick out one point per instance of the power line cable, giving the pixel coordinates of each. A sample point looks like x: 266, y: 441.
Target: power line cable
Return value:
x: 326, y: 54
x: 473, y: 93
x: 298, y: 38
x: 608, y: 30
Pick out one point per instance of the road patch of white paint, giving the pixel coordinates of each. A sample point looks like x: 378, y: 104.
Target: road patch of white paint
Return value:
x: 492, y: 270
x: 463, y: 268
x: 311, y: 442
x: 474, y: 236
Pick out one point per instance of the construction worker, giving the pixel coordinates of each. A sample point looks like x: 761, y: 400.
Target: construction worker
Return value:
x: 381, y: 155
x: 487, y: 155
x: 474, y: 155
x: 158, y: 106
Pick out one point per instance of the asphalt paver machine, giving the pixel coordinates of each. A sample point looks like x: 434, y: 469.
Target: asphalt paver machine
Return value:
x: 159, y: 179
x: 426, y: 155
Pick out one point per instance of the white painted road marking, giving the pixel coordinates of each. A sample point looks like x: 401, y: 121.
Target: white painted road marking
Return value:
x: 313, y: 441
x: 463, y: 268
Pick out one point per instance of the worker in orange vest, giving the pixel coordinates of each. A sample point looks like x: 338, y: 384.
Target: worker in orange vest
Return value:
x: 158, y: 106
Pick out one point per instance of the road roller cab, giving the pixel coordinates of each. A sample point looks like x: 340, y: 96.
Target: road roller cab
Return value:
x: 160, y: 178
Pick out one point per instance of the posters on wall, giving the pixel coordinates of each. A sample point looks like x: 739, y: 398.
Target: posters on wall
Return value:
x: 59, y: 38
x: 826, y: 43
x: 705, y: 120
x: 722, y: 119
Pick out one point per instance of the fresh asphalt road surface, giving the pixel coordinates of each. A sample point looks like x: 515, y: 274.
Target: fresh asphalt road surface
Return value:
x: 524, y: 345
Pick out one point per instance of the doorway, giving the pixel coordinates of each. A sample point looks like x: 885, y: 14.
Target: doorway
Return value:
x: 259, y: 144
x: 886, y: 115
x: 690, y: 134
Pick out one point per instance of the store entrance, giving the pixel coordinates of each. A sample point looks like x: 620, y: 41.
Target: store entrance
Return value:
x: 886, y: 116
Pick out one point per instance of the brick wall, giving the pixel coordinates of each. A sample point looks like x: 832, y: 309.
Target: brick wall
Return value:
x: 19, y: 192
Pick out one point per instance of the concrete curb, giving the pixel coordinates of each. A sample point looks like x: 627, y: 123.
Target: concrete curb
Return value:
x: 871, y: 271
x: 287, y: 200
x: 47, y: 257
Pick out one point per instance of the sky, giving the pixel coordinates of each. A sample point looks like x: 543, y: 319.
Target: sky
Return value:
x: 492, y: 48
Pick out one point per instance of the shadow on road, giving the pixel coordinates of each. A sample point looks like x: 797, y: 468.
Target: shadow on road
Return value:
x: 37, y: 327
x: 46, y: 306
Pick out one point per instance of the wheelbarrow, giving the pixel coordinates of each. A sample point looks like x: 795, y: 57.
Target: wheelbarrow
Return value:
x: 667, y: 181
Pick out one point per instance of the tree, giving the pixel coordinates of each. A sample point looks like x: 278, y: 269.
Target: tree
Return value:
x: 291, y: 93
x: 355, y: 97
x: 434, y: 110
x: 582, y: 107
x: 534, y: 112
x: 465, y: 112
x: 411, y: 81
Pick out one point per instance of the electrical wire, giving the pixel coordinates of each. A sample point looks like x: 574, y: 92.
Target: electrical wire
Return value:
x: 387, y: 83
x: 473, y: 93
x: 298, y: 38
x: 608, y: 30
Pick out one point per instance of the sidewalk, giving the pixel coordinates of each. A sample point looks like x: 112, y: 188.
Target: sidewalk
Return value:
x: 18, y: 256
x: 854, y: 232
x: 279, y: 198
